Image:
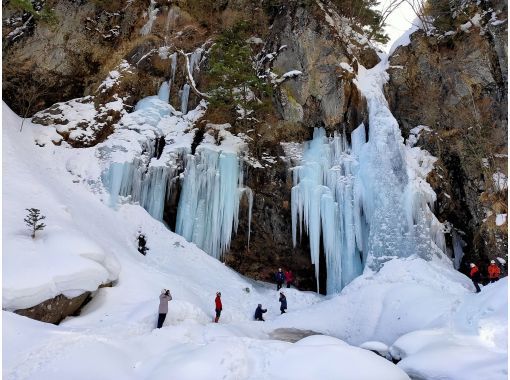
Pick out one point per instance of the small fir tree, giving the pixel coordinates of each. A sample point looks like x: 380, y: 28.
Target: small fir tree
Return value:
x: 32, y: 220
x: 231, y: 74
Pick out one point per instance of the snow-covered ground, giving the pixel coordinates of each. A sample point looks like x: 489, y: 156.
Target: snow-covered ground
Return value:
x: 424, y: 312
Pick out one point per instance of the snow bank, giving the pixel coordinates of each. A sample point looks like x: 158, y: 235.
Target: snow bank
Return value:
x: 473, y: 347
x: 61, y: 259
x: 404, y: 296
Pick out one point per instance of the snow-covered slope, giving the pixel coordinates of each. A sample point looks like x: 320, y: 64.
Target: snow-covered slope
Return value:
x: 424, y: 311
x: 87, y: 243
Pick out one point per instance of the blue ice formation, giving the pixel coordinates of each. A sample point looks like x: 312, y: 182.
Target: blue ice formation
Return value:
x: 212, y: 182
x: 360, y: 201
x: 211, y: 191
x: 148, y: 187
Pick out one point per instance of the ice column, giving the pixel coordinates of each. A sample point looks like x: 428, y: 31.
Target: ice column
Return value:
x: 147, y: 187
x: 211, y: 191
x: 323, y: 200
x: 458, y: 248
x: 184, y: 98
x: 164, y: 92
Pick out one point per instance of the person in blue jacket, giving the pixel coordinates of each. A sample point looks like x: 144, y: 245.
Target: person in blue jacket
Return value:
x: 258, y: 313
x: 280, y: 278
x: 283, y: 302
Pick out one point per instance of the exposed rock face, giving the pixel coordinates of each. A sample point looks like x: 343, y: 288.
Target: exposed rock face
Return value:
x: 311, y: 40
x: 456, y: 84
x: 55, y: 309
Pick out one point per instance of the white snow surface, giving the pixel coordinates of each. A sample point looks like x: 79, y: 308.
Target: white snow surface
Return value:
x: 500, y: 219
x: 86, y: 243
x: 425, y: 311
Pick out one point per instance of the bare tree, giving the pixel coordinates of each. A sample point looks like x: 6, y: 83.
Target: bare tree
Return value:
x: 29, y: 94
x: 386, y: 12
x: 419, y: 9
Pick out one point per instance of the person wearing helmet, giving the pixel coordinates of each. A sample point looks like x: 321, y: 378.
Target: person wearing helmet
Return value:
x: 474, y: 273
x: 493, y: 271
x: 218, y: 307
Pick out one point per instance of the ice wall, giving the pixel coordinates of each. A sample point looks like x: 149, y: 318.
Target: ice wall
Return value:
x: 324, y: 203
x: 369, y: 202
x: 211, y: 191
x: 149, y: 187
x: 212, y: 181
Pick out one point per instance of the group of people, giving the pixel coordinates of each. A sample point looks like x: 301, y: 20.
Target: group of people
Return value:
x: 493, y: 273
x: 165, y: 297
x: 282, y: 277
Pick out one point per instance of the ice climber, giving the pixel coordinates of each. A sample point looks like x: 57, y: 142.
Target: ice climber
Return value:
x: 475, y: 276
x: 493, y: 271
x: 289, y: 278
x: 258, y: 313
x: 218, y: 307
x: 164, y: 297
x: 283, y: 302
x: 280, y: 278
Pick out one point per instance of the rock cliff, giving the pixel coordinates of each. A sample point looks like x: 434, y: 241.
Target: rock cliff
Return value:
x: 454, y: 81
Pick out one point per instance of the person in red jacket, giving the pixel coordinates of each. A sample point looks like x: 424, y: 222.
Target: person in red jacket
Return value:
x: 493, y: 271
x: 289, y: 278
x: 475, y: 276
x: 218, y: 307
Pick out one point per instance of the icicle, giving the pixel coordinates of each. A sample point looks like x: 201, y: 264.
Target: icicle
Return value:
x: 184, y: 98
x: 164, y: 92
x: 151, y: 13
x: 194, y: 60
x: 209, y: 205
x: 458, y: 249
x: 147, y: 188
x: 173, y: 66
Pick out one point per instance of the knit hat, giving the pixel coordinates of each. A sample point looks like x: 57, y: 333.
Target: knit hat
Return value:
x: 472, y: 265
x: 493, y: 262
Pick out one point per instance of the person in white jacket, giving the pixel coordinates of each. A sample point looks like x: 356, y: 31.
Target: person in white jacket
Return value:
x: 164, y: 297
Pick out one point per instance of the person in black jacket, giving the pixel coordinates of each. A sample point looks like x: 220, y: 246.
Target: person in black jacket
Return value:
x: 280, y: 278
x: 258, y: 313
x: 142, y: 242
x: 283, y: 302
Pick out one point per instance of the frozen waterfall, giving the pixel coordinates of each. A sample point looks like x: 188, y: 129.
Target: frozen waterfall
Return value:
x: 369, y: 202
x: 147, y: 187
x: 323, y: 199
x: 208, y: 210
x: 212, y: 181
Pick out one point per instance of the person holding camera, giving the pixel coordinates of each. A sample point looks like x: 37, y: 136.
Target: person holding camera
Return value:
x: 164, y: 297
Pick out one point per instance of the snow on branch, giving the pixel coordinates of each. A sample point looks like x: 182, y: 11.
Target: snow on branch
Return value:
x: 190, y: 77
